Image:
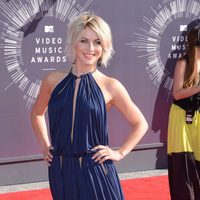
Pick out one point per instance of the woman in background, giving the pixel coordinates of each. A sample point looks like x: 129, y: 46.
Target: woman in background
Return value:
x: 184, y: 124
x: 80, y: 160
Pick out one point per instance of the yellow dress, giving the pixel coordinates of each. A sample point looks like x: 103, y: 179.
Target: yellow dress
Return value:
x: 183, y: 137
x: 183, y: 150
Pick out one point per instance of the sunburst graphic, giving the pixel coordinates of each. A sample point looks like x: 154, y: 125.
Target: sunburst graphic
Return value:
x: 148, y: 39
x: 21, y: 19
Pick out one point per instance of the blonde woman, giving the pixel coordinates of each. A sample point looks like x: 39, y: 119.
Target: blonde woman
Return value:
x: 184, y: 124
x: 79, y: 158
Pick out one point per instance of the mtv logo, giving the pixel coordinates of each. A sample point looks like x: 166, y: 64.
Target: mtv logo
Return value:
x: 48, y: 29
x: 183, y: 28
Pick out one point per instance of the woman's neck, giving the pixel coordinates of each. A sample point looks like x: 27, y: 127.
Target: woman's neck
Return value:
x: 80, y: 70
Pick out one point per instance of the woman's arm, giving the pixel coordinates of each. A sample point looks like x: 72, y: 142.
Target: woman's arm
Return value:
x: 38, y: 119
x: 178, y: 91
x: 122, y: 101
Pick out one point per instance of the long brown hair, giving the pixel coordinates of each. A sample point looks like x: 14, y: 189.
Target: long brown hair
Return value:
x: 191, y: 76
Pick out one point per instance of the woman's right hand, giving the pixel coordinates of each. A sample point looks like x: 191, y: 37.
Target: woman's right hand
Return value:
x: 47, y: 155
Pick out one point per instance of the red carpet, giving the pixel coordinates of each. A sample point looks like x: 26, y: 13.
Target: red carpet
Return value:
x: 153, y: 188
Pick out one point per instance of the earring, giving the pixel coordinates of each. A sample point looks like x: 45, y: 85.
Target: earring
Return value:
x: 74, y: 62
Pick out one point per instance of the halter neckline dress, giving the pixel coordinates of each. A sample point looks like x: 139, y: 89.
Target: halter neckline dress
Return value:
x: 77, y: 123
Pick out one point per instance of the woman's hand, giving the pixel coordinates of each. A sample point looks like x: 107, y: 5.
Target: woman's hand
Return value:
x: 105, y: 153
x: 47, y: 155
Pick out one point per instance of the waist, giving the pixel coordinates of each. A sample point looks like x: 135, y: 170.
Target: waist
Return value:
x: 190, y: 103
x: 74, y: 155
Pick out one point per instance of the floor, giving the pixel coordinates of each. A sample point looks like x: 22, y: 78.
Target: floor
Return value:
x: 39, y: 185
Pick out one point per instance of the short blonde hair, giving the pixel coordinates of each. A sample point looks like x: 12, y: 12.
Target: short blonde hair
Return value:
x: 97, y: 24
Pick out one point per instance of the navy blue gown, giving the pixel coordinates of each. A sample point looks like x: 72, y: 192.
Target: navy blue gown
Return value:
x: 77, y: 123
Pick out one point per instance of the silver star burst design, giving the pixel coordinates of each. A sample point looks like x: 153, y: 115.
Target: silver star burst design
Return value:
x: 21, y: 19
x: 147, y: 41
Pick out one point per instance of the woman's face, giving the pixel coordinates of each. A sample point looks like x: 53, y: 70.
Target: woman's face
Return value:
x: 88, y: 48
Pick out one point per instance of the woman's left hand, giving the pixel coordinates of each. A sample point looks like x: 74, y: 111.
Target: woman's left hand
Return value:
x: 105, y: 153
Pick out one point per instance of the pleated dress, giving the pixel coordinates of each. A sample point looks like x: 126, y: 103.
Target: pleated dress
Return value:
x: 77, y: 123
x: 183, y: 155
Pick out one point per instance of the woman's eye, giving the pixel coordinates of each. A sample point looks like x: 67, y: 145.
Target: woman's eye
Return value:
x: 83, y: 41
x: 98, y: 42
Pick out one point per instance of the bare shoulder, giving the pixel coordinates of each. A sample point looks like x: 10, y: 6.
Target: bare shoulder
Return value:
x: 181, y: 64
x: 182, y: 61
x: 112, y: 85
x: 53, y: 78
x: 179, y: 70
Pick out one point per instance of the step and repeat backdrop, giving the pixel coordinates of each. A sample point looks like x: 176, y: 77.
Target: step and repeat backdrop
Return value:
x: 148, y: 37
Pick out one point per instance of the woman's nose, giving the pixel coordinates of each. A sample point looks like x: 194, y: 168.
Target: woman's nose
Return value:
x: 91, y: 46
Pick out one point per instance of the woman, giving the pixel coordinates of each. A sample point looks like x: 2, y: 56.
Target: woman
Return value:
x: 184, y: 124
x: 80, y: 161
